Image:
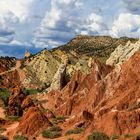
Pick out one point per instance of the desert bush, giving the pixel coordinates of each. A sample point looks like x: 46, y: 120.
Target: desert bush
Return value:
x: 98, y: 136
x: 20, y: 137
x: 31, y: 91
x: 70, y: 139
x: 128, y: 136
x: 59, y: 119
x: 76, y: 130
x: 114, y: 137
x: 4, y: 95
x: 12, y: 118
x: 52, y: 132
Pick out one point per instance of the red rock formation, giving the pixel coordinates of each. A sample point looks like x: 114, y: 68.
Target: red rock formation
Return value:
x: 108, y: 98
x: 10, y: 79
x: 33, y: 122
x: 18, y: 102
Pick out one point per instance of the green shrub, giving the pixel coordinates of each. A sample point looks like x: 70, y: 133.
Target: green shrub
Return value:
x: 55, y: 128
x: 4, y: 95
x: 52, y: 132
x: 128, y: 136
x: 12, y: 118
x: 20, y: 137
x: 31, y: 91
x: 59, y: 119
x: 98, y: 136
x: 76, y: 130
x: 70, y: 139
x: 114, y: 137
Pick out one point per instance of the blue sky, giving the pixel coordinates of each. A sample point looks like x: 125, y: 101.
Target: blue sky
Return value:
x: 37, y: 24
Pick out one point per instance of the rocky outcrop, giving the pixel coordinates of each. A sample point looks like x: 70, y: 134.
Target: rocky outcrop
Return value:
x: 18, y: 102
x: 93, y: 46
x: 105, y: 97
x: 58, y: 81
x: 27, y: 54
x: 77, y: 89
x: 33, y: 122
x: 40, y: 69
x: 123, y: 53
x: 10, y: 79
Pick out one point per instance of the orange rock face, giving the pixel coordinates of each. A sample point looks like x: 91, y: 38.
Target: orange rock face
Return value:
x: 33, y: 122
x: 108, y: 98
x: 18, y: 102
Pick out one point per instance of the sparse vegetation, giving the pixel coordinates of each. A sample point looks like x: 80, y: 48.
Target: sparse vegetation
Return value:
x: 98, y: 136
x: 114, y: 137
x: 12, y: 118
x: 31, y: 91
x: 59, y: 119
x: 52, y: 132
x: 76, y: 130
x: 4, y: 95
x: 128, y: 136
x: 20, y: 137
x: 70, y: 139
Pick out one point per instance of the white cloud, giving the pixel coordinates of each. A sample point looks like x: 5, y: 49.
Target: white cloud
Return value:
x: 126, y: 25
x: 20, y: 8
x: 68, y: 18
x: 18, y: 43
x: 50, y: 23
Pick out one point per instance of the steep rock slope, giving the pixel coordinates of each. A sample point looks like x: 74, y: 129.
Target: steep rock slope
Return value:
x: 40, y: 69
x: 78, y: 54
x: 106, y: 100
x: 122, y: 53
x: 97, y: 46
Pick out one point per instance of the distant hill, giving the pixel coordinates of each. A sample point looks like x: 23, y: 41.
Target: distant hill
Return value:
x: 94, y: 46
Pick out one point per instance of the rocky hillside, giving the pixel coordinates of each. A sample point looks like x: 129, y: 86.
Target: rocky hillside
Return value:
x: 78, y: 54
x: 122, y: 53
x: 100, y: 102
x: 6, y: 63
x: 97, y: 46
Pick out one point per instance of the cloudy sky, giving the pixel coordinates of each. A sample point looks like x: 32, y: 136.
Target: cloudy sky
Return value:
x: 36, y: 24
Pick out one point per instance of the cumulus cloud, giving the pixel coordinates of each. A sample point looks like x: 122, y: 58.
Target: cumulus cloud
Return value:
x: 68, y: 18
x: 126, y: 25
x: 40, y: 24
